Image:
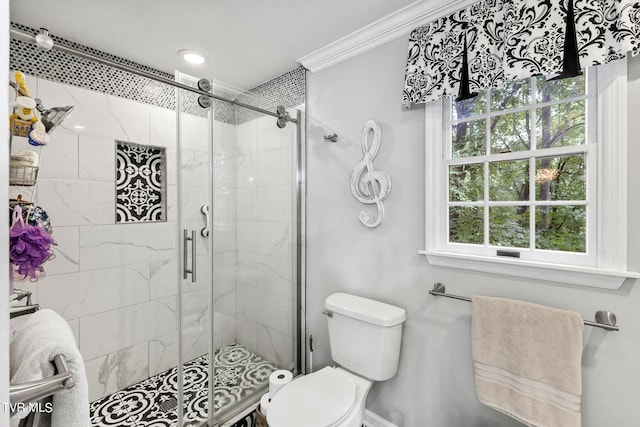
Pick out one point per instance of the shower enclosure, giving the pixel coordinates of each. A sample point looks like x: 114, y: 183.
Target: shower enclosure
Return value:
x: 178, y: 221
x: 240, y: 226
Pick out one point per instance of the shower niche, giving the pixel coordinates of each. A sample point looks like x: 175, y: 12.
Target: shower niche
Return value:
x: 141, y: 183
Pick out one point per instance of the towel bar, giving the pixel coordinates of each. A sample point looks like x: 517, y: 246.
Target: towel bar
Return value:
x: 604, y: 319
x: 17, y: 311
x: 36, y: 390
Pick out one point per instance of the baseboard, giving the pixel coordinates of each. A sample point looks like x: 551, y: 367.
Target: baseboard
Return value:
x: 373, y: 420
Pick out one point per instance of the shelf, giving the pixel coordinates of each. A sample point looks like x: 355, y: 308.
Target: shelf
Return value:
x: 23, y: 175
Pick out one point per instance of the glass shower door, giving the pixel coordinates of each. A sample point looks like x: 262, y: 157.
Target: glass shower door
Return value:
x: 267, y: 286
x: 238, y: 291
x: 196, y: 261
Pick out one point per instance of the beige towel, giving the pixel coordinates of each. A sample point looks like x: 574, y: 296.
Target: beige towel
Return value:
x: 527, y: 361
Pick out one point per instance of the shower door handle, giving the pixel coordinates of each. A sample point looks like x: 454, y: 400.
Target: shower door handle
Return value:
x: 185, y: 254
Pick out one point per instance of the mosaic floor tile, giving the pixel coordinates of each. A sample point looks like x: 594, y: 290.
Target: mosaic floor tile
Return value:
x: 109, y: 411
x: 145, y: 400
x: 151, y: 403
x: 239, y: 373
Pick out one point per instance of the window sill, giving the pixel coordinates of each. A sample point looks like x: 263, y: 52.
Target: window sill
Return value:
x: 568, y: 274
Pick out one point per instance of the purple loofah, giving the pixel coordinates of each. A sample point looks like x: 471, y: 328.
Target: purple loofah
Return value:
x: 30, y: 247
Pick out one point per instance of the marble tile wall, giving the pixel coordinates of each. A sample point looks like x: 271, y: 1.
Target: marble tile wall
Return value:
x: 265, y: 211
x: 117, y: 284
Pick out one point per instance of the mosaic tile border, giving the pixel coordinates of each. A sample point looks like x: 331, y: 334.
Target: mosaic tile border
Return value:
x: 72, y: 70
x: 239, y: 373
x: 287, y: 89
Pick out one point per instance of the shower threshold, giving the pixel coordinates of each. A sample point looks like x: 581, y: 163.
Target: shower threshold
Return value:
x: 241, y: 377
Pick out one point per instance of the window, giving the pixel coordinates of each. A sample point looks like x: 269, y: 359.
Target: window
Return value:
x: 532, y: 176
x: 520, y: 161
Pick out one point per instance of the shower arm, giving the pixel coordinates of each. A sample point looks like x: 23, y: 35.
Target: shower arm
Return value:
x: 25, y: 36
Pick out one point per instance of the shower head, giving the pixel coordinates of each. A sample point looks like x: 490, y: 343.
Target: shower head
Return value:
x: 52, y: 117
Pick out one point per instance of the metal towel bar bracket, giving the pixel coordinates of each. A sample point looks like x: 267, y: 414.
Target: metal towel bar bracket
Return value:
x: 36, y: 390
x: 19, y: 294
x: 604, y: 319
x: 21, y: 310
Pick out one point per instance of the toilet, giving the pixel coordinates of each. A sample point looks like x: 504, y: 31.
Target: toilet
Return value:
x: 365, y: 340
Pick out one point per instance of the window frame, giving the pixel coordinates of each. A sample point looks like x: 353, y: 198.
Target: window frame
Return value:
x: 606, y: 266
x: 589, y: 149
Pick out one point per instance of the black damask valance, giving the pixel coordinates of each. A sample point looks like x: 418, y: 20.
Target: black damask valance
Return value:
x: 507, y: 40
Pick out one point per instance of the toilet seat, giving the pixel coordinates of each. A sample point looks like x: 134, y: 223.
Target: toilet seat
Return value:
x: 321, y: 399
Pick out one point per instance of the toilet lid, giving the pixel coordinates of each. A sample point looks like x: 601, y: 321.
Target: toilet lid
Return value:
x: 320, y: 399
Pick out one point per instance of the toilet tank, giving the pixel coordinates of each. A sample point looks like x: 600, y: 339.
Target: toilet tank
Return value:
x: 365, y: 335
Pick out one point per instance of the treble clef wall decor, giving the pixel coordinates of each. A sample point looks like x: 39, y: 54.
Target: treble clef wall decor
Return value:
x: 368, y: 185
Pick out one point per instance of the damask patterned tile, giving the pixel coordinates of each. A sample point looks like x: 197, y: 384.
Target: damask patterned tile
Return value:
x: 240, y: 373
x: 196, y: 375
x: 153, y: 401
x: 196, y: 390
x: 196, y: 408
x: 141, y: 182
x: 110, y: 411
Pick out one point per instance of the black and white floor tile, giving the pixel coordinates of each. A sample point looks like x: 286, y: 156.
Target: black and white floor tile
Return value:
x: 152, y: 403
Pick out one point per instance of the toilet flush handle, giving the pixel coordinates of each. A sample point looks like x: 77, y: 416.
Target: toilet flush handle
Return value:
x: 328, y: 313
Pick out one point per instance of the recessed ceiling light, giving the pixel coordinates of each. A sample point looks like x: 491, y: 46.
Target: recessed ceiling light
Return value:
x: 192, y: 56
x: 78, y: 126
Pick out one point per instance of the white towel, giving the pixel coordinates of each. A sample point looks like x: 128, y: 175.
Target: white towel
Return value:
x: 42, y: 337
x: 527, y: 361
x: 25, y: 158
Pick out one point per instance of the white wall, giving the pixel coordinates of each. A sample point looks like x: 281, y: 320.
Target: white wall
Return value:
x: 434, y: 386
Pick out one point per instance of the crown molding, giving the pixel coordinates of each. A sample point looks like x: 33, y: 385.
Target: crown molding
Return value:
x: 382, y: 31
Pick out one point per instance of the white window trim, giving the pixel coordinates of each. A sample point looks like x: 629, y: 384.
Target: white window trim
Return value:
x: 589, y: 149
x: 610, y: 269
